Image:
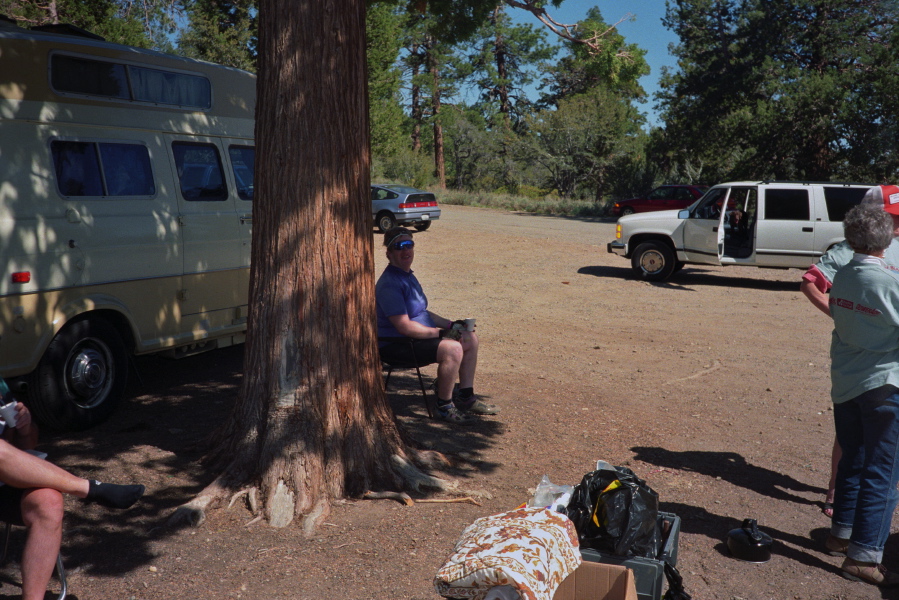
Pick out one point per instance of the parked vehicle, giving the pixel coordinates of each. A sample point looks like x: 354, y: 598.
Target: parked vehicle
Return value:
x: 762, y: 224
x: 664, y: 197
x: 393, y: 205
x: 125, y: 214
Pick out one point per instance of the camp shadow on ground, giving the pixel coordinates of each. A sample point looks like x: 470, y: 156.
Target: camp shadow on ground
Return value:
x: 691, y: 276
x: 732, y: 468
x: 467, y: 443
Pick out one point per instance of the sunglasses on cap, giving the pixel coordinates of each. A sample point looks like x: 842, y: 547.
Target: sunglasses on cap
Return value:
x: 403, y: 245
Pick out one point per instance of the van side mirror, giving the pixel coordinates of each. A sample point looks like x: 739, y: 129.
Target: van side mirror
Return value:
x: 683, y: 214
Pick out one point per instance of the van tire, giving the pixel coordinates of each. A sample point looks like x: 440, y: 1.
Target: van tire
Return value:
x: 386, y: 222
x: 81, y: 378
x: 423, y: 226
x: 653, y: 261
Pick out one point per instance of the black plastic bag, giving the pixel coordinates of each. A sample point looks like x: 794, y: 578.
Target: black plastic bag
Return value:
x: 615, y: 512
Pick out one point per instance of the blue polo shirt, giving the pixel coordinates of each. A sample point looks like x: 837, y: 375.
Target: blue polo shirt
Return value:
x: 399, y: 293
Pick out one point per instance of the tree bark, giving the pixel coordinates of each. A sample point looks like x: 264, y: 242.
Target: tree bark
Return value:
x: 312, y: 422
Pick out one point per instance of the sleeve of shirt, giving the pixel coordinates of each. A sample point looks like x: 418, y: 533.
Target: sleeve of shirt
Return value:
x: 817, y: 278
x: 391, y: 301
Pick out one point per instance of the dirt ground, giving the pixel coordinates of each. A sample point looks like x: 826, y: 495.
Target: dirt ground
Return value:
x: 713, y: 387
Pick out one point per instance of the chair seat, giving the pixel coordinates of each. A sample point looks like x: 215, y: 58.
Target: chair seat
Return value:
x: 390, y: 366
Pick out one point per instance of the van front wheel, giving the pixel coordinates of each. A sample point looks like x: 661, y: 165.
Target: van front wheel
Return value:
x: 81, y: 377
x: 653, y: 261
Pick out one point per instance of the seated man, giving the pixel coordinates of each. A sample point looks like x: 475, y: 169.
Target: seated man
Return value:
x: 31, y: 495
x: 403, y: 312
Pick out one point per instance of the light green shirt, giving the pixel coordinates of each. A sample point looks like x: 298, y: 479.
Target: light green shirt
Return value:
x: 864, y: 349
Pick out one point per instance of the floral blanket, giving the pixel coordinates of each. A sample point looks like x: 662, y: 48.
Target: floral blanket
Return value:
x: 530, y: 549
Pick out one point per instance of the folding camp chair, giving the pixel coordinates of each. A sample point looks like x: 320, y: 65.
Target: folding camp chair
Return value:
x: 60, y: 569
x: 390, y: 367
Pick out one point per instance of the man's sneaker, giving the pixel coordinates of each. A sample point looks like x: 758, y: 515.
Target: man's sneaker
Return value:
x: 452, y: 414
x: 836, y: 546
x: 476, y: 406
x: 868, y: 572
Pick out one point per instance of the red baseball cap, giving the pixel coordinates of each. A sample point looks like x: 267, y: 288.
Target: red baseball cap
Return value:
x: 890, y: 195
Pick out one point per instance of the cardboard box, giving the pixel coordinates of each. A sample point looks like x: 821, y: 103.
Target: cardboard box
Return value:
x: 649, y: 573
x: 598, y: 581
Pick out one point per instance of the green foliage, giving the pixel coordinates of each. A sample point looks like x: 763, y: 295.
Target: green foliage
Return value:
x: 584, y: 141
x: 502, y: 57
x: 406, y: 166
x: 618, y: 66
x: 145, y: 25
x: 221, y: 31
x: 798, y: 89
x: 384, y: 27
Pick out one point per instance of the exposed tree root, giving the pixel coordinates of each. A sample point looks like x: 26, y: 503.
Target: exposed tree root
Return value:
x: 416, y: 479
x: 193, y: 513
x: 401, y: 497
x: 404, y: 498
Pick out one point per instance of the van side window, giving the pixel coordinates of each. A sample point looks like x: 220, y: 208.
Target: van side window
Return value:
x: 786, y: 205
x: 199, y: 171
x: 840, y: 200
x: 128, y: 82
x: 125, y: 169
x: 243, y: 161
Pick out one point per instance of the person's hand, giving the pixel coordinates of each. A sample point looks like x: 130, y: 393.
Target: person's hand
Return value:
x: 451, y: 334
x: 23, y: 419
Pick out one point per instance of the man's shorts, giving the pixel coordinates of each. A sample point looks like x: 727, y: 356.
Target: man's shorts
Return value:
x: 420, y: 352
x: 11, y: 504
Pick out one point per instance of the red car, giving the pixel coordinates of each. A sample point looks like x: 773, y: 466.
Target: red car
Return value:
x: 664, y: 197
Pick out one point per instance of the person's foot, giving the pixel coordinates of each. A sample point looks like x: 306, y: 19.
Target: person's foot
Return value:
x: 827, y: 506
x: 868, y: 572
x: 113, y: 495
x: 476, y: 406
x: 836, y: 546
x: 451, y: 414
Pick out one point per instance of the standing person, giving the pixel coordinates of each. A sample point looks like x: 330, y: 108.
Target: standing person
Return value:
x: 31, y: 495
x: 816, y: 283
x: 864, y: 305
x: 402, y: 309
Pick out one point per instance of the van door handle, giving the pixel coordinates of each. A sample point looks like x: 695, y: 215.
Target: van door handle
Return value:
x: 808, y: 229
x: 714, y: 230
x: 244, y: 219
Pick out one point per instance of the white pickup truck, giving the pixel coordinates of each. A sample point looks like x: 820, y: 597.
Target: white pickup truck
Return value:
x: 762, y: 224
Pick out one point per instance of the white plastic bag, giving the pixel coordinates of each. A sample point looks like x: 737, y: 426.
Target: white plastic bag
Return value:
x: 549, y: 495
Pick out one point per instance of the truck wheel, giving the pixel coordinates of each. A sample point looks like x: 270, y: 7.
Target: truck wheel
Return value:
x: 423, y: 226
x: 81, y: 377
x: 653, y: 261
x: 627, y: 211
x: 386, y: 222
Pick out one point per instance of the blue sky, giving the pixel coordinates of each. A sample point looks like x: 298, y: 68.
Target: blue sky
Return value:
x: 645, y: 30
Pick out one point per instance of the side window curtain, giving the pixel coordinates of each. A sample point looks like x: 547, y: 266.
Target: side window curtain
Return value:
x: 102, y: 169
x: 199, y: 172
x: 243, y: 163
x: 77, y: 168
x: 787, y: 205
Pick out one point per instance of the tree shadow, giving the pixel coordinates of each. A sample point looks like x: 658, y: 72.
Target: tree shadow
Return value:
x: 691, y: 276
x: 465, y: 446
x: 730, y: 467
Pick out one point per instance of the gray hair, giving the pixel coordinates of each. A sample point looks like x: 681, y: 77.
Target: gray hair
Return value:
x: 868, y: 229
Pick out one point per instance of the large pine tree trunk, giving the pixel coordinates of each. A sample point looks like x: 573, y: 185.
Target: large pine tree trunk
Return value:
x: 312, y: 422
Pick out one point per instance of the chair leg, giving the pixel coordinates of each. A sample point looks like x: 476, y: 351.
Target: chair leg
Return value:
x: 61, y: 574
x: 60, y: 568
x: 430, y: 401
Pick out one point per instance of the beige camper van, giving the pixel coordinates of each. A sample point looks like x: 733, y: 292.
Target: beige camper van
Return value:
x: 126, y: 188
